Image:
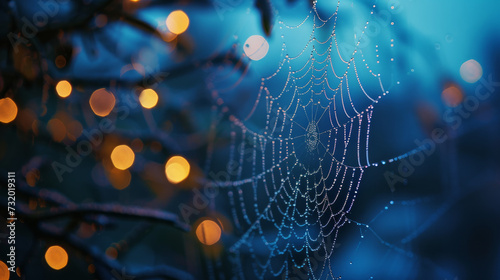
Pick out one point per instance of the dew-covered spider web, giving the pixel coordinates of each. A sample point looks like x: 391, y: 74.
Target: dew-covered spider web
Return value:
x: 295, y: 150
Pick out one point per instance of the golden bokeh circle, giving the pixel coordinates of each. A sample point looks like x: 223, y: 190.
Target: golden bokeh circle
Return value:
x: 122, y: 157
x: 208, y: 232
x: 177, y: 169
x: 8, y: 110
x: 56, y: 257
x: 177, y: 22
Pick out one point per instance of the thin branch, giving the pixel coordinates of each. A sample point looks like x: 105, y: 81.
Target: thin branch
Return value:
x: 162, y: 271
x: 108, y: 210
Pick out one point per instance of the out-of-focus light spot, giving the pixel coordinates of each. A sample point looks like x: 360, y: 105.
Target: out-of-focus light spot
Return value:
x: 63, y: 88
x: 26, y: 119
x: 119, y: 179
x: 471, y: 71
x: 32, y: 177
x: 57, y: 129
x: 122, y: 157
x: 452, y: 96
x: 86, y: 230
x: 56, y: 257
x: 112, y: 253
x: 148, y: 98
x: 60, y: 61
x: 208, y: 232
x: 75, y: 129
x: 137, y: 145
x: 101, y: 20
x: 102, y: 102
x: 177, y: 169
x: 256, y: 47
x: 34, y: 127
x: 177, y: 22
x: 91, y: 268
x: 8, y: 110
x: 4, y: 271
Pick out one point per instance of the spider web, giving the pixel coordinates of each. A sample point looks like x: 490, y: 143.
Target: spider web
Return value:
x: 296, y: 156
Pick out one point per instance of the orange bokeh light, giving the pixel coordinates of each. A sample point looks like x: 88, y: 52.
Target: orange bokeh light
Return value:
x: 148, y: 98
x: 102, y: 102
x: 57, y: 129
x: 112, y: 253
x: 60, y: 61
x: 208, y: 232
x: 56, y: 257
x: 8, y: 110
x: 452, y: 96
x: 122, y: 157
x: 63, y: 88
x: 177, y: 169
x: 119, y: 179
x: 4, y: 271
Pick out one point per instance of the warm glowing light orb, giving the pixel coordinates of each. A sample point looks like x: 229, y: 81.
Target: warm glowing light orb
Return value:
x: 177, y: 169
x: 452, y: 96
x: 256, y: 47
x: 8, y: 110
x: 177, y: 22
x: 56, y: 257
x: 4, y: 271
x: 63, y: 88
x: 471, y: 71
x: 148, y: 98
x: 208, y: 232
x: 60, y: 61
x: 102, y: 102
x: 119, y: 179
x: 112, y: 253
x: 122, y: 157
x: 57, y: 129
